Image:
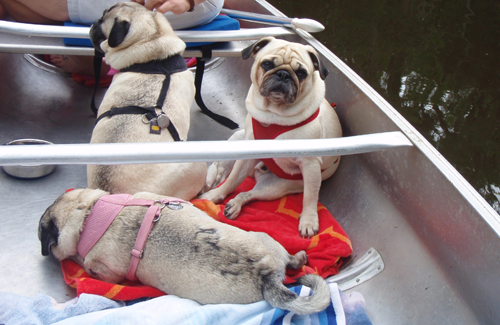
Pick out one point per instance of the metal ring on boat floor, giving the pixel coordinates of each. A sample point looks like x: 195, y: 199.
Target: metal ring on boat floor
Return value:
x: 41, y: 64
x: 212, y: 64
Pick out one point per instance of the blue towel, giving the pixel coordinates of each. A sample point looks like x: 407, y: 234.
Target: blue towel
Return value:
x: 41, y: 309
x: 345, y: 309
x: 220, y: 22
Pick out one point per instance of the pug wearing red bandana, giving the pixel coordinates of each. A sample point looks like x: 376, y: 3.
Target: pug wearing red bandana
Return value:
x: 286, y: 101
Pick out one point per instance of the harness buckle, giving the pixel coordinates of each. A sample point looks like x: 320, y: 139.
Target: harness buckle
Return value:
x: 137, y: 252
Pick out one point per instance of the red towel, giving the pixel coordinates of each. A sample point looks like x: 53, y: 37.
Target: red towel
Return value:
x: 278, y: 218
x: 76, y: 277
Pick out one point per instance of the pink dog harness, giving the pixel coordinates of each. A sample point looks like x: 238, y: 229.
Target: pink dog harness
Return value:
x: 105, y: 211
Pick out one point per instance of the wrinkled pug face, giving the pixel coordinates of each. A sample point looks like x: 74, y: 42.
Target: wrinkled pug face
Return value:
x: 121, y: 25
x: 60, y: 225
x: 284, y: 71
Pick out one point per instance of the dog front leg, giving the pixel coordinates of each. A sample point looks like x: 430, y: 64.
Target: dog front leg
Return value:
x: 268, y: 187
x: 311, y: 173
x: 101, y: 271
x: 241, y: 170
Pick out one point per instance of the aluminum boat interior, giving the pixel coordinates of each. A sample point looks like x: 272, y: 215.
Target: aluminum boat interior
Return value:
x: 426, y: 245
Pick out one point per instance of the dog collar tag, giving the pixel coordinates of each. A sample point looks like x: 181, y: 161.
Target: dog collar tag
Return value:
x: 174, y: 205
x: 153, y: 127
x: 163, y: 120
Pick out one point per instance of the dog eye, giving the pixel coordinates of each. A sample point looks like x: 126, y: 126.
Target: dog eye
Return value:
x: 93, y: 273
x: 267, y: 65
x: 301, y: 74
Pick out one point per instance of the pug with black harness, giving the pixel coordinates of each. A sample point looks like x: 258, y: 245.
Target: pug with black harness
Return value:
x: 169, y: 244
x: 286, y: 101
x: 149, y: 100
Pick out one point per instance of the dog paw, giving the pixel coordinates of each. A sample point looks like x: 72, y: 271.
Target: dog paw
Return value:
x: 214, y: 195
x: 308, y: 225
x: 297, y: 261
x: 232, y: 210
x: 217, y: 173
x: 302, y: 257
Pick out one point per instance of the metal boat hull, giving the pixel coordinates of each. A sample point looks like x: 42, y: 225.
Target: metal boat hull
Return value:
x: 438, y: 238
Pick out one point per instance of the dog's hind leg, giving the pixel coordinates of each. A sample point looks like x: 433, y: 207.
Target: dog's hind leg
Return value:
x: 217, y: 173
x: 297, y: 261
x: 282, y: 258
x: 268, y: 187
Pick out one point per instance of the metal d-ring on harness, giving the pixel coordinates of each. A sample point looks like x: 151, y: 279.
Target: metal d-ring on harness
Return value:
x: 168, y: 66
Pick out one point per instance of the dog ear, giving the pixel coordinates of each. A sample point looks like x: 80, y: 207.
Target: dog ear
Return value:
x: 48, y: 236
x: 318, y: 65
x: 255, y: 47
x: 118, y: 32
x: 96, y: 35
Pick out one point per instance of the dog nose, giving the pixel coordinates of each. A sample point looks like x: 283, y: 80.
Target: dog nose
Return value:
x: 283, y: 75
x: 96, y: 35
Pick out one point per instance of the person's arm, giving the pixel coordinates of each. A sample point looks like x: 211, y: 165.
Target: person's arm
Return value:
x: 175, y: 6
x: 36, y: 11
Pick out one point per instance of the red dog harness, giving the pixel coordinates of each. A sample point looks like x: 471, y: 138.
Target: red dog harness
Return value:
x: 105, y: 211
x: 271, y: 132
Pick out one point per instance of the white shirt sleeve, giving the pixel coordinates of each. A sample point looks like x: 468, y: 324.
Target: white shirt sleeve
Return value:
x: 87, y: 11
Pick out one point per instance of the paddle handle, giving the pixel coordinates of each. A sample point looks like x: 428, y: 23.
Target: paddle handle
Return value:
x: 309, y: 25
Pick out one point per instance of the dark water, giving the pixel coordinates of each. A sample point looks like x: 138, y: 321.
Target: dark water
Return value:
x: 437, y: 62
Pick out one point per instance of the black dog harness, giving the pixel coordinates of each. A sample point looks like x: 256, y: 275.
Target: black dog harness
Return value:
x: 167, y: 67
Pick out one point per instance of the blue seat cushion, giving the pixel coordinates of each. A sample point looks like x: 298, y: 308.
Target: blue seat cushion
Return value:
x: 76, y: 41
x: 220, y: 22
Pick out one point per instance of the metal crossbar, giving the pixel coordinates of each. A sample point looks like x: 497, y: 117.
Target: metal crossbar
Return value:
x: 42, y: 39
x: 229, y: 49
x: 34, y: 30
x: 169, y: 152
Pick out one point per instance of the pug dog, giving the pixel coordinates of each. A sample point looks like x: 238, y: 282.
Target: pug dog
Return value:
x: 142, y: 45
x: 285, y: 101
x: 187, y: 254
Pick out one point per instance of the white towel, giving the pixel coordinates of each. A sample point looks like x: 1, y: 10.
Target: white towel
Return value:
x: 171, y: 310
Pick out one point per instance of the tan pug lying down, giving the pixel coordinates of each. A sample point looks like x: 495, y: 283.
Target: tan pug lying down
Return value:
x: 286, y: 101
x: 187, y: 254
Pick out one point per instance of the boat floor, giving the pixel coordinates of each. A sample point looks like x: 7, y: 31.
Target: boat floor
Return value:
x: 49, y: 106
x: 53, y: 107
